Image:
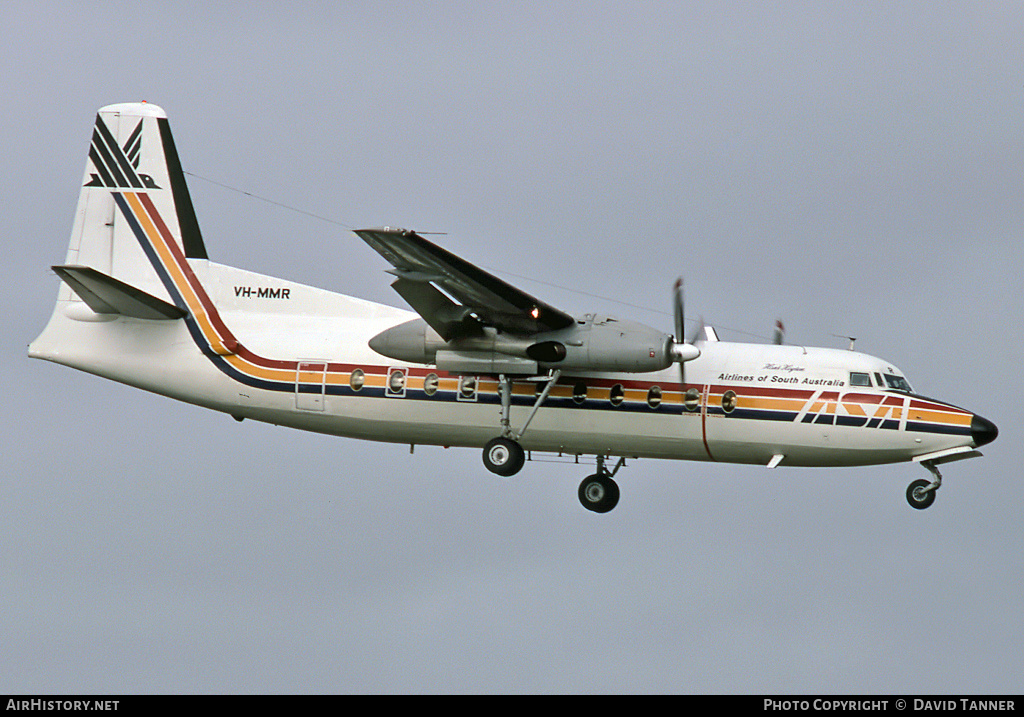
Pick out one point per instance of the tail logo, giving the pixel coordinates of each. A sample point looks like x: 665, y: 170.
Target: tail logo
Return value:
x: 116, y: 166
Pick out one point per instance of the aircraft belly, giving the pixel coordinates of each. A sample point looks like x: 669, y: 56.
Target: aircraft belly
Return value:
x: 563, y: 430
x: 578, y: 430
x: 754, y: 441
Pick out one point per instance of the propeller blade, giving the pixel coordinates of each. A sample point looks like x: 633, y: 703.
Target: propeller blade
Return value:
x: 677, y: 305
x: 780, y: 333
x: 681, y: 350
x: 678, y: 299
x: 698, y: 333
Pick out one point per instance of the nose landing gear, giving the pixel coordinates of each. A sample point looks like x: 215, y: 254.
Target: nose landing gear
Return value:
x: 921, y: 493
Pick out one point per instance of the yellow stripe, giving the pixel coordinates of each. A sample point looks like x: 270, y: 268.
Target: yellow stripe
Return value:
x: 773, y: 404
x: 177, y: 275
x: 956, y: 419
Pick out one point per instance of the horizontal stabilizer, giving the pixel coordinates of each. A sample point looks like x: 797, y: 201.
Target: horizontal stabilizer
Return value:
x: 106, y: 295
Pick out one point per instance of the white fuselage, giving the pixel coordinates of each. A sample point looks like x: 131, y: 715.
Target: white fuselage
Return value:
x: 275, y: 351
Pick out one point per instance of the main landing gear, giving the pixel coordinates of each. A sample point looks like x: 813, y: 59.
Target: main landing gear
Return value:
x: 921, y: 493
x: 599, y: 492
x: 504, y: 456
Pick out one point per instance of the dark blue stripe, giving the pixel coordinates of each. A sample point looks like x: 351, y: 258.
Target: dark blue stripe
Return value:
x: 485, y: 398
x: 179, y: 301
x: 934, y: 428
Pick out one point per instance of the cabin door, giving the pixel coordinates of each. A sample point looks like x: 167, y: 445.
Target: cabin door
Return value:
x: 309, y: 385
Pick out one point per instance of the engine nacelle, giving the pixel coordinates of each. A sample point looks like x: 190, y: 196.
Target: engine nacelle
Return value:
x: 413, y: 342
x: 605, y: 344
x: 592, y: 344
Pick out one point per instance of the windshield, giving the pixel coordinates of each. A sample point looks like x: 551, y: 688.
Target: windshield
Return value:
x: 897, y: 382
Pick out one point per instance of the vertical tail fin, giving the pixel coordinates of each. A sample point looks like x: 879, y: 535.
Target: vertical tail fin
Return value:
x: 132, y: 151
x: 134, y: 219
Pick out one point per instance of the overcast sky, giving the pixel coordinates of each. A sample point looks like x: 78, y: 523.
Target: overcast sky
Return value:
x: 855, y: 169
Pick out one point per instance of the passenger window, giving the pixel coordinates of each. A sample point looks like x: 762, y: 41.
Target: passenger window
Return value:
x: 431, y: 383
x: 467, y: 388
x: 579, y: 393
x: 357, y: 379
x: 860, y: 379
x: 396, y: 382
x: 729, y: 401
x: 617, y: 395
x: 654, y: 396
x: 692, y: 399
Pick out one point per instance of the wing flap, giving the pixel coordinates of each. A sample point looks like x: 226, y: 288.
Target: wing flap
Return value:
x: 107, y: 295
x: 448, y: 319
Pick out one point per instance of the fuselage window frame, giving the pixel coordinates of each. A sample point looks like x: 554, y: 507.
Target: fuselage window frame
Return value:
x: 398, y: 381
x: 468, y: 387
x: 357, y: 379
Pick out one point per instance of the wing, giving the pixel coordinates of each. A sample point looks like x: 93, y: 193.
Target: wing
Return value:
x: 455, y: 297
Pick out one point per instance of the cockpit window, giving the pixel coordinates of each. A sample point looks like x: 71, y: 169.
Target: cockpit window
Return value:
x: 860, y: 379
x: 897, y: 383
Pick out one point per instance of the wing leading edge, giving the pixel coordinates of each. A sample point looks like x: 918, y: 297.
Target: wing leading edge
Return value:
x: 454, y: 297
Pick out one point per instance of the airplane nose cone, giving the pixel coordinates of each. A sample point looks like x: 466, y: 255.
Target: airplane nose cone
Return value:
x: 983, y: 431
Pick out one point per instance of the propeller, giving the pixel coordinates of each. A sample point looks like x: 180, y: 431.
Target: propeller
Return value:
x: 681, y: 351
x: 851, y: 339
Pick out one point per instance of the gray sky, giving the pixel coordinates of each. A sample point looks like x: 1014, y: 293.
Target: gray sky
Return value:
x: 851, y: 168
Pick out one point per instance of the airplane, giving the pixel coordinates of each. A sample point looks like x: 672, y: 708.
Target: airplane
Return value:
x: 476, y: 363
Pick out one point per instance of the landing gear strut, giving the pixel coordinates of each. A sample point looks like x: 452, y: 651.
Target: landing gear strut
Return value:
x: 504, y: 456
x: 921, y: 493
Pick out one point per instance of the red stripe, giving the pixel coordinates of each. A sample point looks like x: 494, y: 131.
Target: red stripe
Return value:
x: 704, y: 422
